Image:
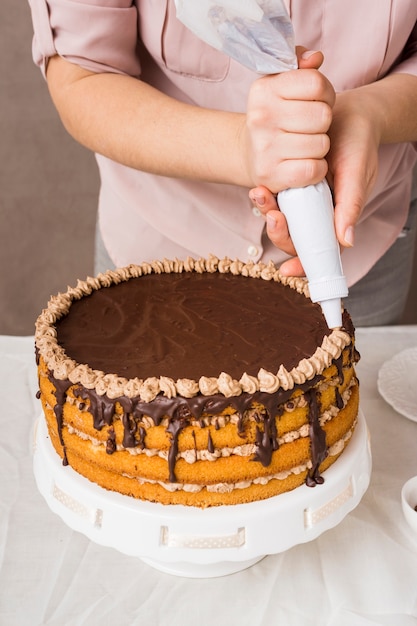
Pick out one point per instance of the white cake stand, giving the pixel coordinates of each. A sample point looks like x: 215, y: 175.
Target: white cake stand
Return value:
x: 202, y: 543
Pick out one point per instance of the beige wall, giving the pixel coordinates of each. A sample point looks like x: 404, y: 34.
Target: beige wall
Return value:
x: 48, y: 187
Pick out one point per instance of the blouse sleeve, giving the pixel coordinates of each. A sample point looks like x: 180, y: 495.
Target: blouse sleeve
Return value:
x: 98, y: 35
x: 407, y: 63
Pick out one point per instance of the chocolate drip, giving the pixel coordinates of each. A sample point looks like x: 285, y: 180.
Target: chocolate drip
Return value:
x: 266, y: 440
x: 174, y: 429
x: 181, y: 411
x: 161, y: 407
x: 129, y: 424
x: 339, y: 399
x: 61, y: 388
x: 195, y: 440
x: 339, y: 365
x: 142, y: 435
x: 317, y: 439
x: 111, y: 441
x: 101, y: 407
x: 210, y: 445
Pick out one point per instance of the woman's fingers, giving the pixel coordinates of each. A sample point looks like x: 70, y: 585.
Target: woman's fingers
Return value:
x: 277, y: 231
x: 309, y: 59
x: 288, y: 119
x: 276, y: 224
x: 292, y: 267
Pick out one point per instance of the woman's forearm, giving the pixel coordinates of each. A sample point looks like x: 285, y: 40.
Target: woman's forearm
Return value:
x: 398, y: 94
x: 134, y: 124
x: 390, y: 104
x: 280, y: 141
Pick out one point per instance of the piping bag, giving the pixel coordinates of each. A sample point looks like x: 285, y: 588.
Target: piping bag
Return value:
x: 259, y: 35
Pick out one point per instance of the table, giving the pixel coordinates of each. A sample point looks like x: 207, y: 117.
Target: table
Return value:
x: 363, y: 572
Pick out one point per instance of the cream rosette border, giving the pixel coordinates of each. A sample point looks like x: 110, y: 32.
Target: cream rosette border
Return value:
x: 63, y: 368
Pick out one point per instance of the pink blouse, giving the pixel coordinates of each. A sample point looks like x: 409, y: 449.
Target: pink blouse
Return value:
x: 143, y: 216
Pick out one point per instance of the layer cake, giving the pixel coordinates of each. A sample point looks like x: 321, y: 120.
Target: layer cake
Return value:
x: 198, y: 382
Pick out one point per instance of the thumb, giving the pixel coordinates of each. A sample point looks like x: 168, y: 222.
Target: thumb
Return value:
x: 309, y: 59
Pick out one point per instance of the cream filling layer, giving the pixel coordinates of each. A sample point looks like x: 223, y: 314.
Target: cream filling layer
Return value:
x: 244, y: 484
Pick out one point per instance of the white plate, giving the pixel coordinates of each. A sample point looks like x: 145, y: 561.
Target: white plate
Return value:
x: 397, y: 382
x: 203, y: 543
x: 409, y: 502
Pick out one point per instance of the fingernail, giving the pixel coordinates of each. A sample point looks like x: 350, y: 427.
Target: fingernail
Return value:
x: 308, y: 53
x: 270, y: 222
x: 349, y: 236
x: 259, y: 200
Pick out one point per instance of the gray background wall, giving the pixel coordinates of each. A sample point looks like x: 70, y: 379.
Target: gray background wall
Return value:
x: 48, y: 187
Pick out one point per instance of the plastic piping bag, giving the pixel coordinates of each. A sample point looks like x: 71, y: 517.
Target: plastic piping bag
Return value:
x: 259, y: 35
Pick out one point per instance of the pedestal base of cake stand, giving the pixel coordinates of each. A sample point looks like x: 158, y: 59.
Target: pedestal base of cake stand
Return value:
x: 207, y: 570
x: 202, y: 543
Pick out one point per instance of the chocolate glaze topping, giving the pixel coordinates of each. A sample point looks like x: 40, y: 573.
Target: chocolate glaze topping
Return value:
x: 214, y: 322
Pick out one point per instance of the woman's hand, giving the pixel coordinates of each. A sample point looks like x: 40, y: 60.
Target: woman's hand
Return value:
x: 353, y: 167
x: 355, y: 136
x: 362, y: 120
x: 288, y: 119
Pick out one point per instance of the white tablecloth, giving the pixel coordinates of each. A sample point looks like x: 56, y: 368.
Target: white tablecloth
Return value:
x: 362, y: 572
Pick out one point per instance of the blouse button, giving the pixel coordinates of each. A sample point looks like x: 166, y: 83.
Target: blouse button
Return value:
x: 252, y: 250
